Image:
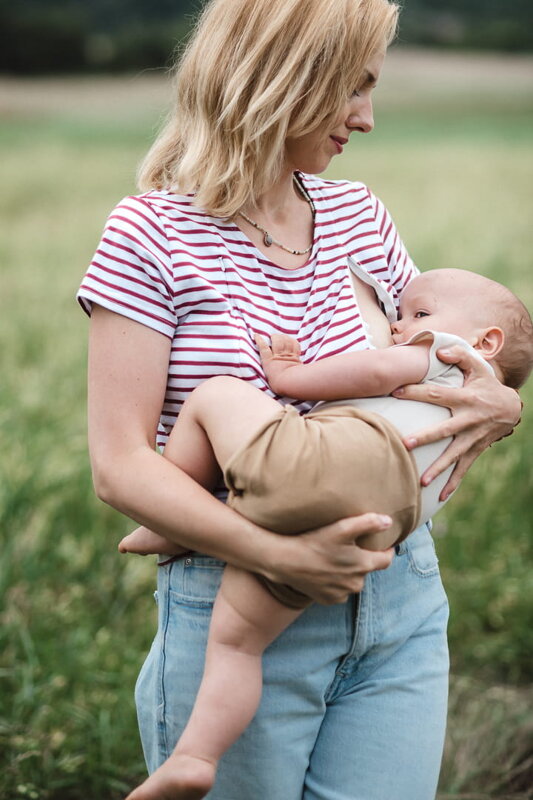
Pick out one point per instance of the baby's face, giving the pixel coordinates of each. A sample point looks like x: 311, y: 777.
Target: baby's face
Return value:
x: 437, y: 302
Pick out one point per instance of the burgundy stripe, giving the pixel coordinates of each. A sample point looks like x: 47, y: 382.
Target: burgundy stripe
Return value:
x: 122, y: 304
x: 142, y: 297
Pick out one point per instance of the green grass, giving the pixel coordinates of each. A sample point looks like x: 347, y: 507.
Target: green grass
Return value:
x: 455, y: 170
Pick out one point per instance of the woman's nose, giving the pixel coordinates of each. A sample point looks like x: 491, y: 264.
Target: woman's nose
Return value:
x: 362, y: 119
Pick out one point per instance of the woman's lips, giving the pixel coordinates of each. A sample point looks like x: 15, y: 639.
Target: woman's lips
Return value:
x: 339, y: 142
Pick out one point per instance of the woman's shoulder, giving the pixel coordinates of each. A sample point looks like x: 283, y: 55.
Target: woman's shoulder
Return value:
x: 166, y: 203
x: 335, y: 193
x: 162, y: 212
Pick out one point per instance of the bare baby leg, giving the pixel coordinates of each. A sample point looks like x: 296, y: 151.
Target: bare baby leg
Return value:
x: 246, y: 619
x: 218, y: 418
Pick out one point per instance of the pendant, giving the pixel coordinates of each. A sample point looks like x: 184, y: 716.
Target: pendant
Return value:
x: 267, y: 239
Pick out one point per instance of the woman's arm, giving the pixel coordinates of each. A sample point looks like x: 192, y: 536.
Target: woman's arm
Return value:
x: 128, y: 364
x: 363, y: 373
x: 483, y: 411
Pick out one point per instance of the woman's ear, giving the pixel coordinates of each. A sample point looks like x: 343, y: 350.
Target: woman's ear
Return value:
x: 490, y: 342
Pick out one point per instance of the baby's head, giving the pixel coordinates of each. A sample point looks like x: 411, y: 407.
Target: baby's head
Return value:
x: 484, y: 313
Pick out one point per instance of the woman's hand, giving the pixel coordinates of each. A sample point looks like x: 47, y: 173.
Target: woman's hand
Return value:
x: 483, y: 411
x: 326, y: 564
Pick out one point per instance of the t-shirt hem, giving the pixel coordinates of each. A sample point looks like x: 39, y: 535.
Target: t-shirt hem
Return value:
x: 87, y: 299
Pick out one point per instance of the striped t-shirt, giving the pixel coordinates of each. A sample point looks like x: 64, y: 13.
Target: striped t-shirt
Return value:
x: 200, y: 281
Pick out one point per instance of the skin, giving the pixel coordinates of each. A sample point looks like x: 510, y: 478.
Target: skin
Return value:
x: 443, y: 301
x: 282, y: 211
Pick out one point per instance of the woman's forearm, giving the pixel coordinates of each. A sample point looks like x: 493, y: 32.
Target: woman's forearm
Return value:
x: 154, y: 492
x: 324, y: 564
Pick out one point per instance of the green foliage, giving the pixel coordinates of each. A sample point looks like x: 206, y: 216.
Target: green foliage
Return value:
x: 478, y: 24
x: 455, y: 170
x: 489, y: 743
x: 62, y: 36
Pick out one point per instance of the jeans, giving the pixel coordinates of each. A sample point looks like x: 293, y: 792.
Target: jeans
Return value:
x: 355, y: 695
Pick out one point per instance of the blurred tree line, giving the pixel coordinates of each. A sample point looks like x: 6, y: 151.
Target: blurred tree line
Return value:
x: 111, y: 35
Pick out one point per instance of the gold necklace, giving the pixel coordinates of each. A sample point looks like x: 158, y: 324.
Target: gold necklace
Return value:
x: 268, y: 239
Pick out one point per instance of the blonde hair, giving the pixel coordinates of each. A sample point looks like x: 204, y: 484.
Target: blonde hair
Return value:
x: 254, y: 73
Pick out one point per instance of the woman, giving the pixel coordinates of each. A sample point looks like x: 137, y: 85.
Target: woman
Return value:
x: 236, y: 236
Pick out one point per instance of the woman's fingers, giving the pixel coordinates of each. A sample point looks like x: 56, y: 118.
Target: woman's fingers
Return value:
x: 468, y: 363
x: 453, y: 455
x: 444, y: 430
x: 429, y: 393
x: 461, y: 468
x: 350, y: 529
x: 329, y: 565
x: 483, y: 411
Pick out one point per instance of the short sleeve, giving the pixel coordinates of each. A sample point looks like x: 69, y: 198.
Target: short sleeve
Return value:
x: 400, y: 264
x: 131, y: 272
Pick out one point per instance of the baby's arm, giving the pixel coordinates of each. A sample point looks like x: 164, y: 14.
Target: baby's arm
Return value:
x: 364, y: 373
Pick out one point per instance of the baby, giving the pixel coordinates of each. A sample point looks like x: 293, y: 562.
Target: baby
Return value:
x: 291, y: 473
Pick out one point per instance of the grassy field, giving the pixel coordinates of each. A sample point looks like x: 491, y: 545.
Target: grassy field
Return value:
x: 452, y: 157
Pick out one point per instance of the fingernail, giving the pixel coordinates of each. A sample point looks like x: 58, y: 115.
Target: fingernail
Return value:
x: 445, y: 352
x: 410, y: 442
x: 427, y: 480
x: 398, y: 392
x: 384, y: 521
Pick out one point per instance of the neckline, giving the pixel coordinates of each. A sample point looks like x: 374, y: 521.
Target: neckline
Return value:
x: 261, y: 258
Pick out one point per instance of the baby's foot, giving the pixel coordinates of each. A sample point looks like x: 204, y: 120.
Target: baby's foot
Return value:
x: 145, y: 542
x: 181, y: 777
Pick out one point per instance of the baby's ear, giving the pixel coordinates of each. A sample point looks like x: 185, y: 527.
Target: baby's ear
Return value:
x: 490, y: 342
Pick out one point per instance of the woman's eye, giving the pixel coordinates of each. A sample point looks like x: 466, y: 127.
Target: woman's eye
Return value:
x: 420, y: 314
x: 356, y: 93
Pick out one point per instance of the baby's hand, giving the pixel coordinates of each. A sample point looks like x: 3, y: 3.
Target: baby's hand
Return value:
x: 284, y: 348
x: 284, y: 353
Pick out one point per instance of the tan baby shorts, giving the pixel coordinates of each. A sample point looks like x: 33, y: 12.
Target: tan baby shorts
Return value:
x: 298, y: 473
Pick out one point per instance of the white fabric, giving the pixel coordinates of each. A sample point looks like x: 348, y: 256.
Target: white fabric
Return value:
x: 410, y: 416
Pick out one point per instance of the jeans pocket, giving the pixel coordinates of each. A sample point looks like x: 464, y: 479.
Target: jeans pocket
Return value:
x: 195, y: 581
x: 421, y: 552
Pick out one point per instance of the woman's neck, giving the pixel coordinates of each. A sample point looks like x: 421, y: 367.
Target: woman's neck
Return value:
x: 284, y: 215
x: 279, y: 201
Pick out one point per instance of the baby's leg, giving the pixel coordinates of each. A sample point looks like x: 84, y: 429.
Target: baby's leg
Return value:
x: 246, y: 619
x: 218, y: 418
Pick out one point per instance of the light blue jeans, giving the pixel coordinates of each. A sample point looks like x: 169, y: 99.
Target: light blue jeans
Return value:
x: 355, y: 695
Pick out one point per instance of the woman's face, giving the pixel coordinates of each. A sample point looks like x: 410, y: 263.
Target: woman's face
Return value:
x: 313, y: 152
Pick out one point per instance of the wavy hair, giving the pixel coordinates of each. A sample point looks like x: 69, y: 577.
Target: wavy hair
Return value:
x: 254, y: 73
